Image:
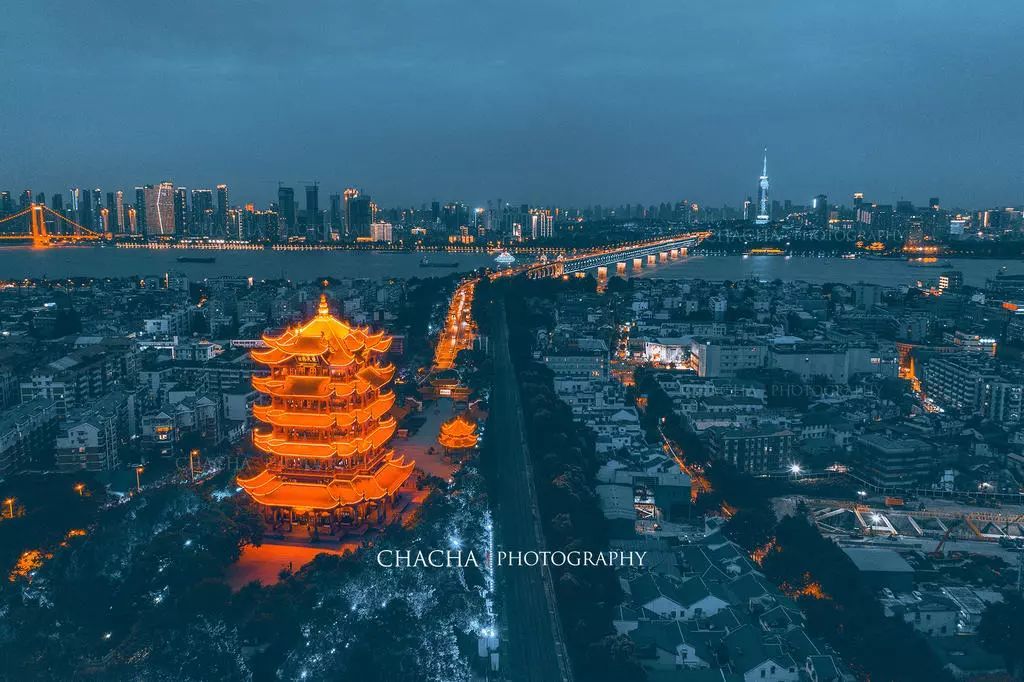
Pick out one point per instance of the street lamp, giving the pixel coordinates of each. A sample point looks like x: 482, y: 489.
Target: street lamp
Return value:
x: 138, y: 481
x: 10, y: 506
x: 80, y: 489
x: 193, y: 453
x: 795, y: 469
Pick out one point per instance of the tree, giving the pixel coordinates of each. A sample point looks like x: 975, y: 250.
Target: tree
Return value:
x: 750, y: 528
x: 1002, y: 631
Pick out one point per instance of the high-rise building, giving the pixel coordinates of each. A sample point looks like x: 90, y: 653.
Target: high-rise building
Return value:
x: 360, y: 216
x: 112, y: 223
x: 454, y: 216
x: 159, y: 203
x: 858, y: 201
x: 85, y: 210
x: 181, y: 211
x: 764, y: 214
x: 381, y: 232
x: 819, y: 209
x: 97, y: 206
x: 56, y: 202
x: 140, y: 210
x: 6, y: 204
x: 222, y: 209
x: 202, y: 212
x: 348, y: 195
x: 312, y: 207
x: 119, y: 211
x: 336, y: 214
x: 286, y: 208
x: 131, y: 220
x: 74, y: 199
x: 541, y: 223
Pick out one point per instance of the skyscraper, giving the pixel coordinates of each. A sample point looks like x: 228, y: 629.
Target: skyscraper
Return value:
x: 74, y: 197
x: 6, y: 205
x: 181, y: 210
x: 222, y: 209
x: 113, y: 224
x: 286, y: 207
x: 348, y: 195
x: 454, y: 216
x: 312, y: 207
x: 140, y: 209
x: 159, y: 203
x: 336, y: 213
x: 85, y: 210
x: 202, y: 212
x: 97, y: 206
x: 360, y: 216
x: 122, y: 226
x: 820, y: 209
x: 541, y: 223
x: 764, y: 214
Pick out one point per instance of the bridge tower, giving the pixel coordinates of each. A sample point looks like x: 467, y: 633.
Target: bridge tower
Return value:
x: 40, y: 237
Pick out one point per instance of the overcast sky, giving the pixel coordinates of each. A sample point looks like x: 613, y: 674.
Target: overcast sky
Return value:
x: 532, y: 101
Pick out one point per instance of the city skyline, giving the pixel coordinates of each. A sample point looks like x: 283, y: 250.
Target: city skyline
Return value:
x: 576, y: 108
x: 327, y: 190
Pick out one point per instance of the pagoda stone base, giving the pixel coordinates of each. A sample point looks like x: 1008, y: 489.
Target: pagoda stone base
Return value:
x: 327, y: 524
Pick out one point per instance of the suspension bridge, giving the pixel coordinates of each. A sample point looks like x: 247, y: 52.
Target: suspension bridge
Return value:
x: 43, y: 228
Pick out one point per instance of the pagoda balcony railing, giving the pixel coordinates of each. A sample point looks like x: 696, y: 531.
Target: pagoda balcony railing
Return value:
x: 315, y: 475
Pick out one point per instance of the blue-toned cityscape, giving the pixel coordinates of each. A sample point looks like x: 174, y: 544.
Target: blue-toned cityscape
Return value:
x: 669, y: 343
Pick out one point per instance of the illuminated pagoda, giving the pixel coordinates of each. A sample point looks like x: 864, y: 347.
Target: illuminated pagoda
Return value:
x: 327, y: 426
x: 458, y: 433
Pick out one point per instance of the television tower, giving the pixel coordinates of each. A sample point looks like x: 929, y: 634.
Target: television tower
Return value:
x: 764, y: 215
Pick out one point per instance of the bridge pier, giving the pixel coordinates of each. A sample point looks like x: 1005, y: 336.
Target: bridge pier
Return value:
x: 651, y: 259
x: 638, y: 264
x: 673, y: 254
x: 620, y: 269
x: 663, y: 257
x: 602, y: 273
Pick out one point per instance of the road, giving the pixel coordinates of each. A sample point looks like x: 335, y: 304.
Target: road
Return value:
x: 534, y: 649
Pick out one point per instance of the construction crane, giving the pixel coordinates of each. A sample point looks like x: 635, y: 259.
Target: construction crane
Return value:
x: 937, y: 552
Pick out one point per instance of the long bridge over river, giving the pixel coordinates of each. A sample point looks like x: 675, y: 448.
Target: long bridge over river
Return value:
x: 633, y: 255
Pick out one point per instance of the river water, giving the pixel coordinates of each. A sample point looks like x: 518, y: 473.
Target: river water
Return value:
x: 887, y: 272
x: 90, y: 261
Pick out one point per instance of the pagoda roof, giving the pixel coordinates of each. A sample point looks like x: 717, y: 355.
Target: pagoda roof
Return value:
x: 274, y: 490
x: 367, y: 378
x: 322, y: 335
x: 459, y: 426
x: 343, y: 418
x: 458, y: 433
x: 279, y: 445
